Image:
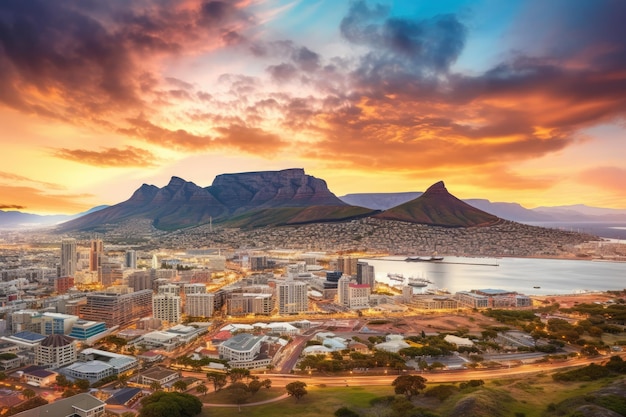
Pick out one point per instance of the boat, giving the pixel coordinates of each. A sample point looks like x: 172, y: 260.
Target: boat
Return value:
x: 423, y: 258
x: 395, y: 277
x: 418, y: 282
x: 536, y: 286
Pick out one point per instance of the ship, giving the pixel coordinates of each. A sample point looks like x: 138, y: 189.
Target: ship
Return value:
x: 419, y: 282
x: 423, y: 259
x: 395, y: 277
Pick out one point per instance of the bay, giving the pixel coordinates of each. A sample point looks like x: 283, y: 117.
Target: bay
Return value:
x: 552, y: 276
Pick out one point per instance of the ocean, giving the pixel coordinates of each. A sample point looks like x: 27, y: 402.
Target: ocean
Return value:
x: 524, y: 275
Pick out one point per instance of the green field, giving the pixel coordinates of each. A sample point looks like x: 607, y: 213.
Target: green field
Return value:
x: 527, y: 397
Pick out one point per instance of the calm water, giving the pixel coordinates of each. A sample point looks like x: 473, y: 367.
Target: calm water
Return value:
x: 553, y: 276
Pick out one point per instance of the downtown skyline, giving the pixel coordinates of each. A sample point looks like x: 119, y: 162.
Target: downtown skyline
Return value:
x: 509, y: 101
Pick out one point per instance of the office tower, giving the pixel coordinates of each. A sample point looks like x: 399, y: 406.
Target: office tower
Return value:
x: 68, y: 258
x: 347, y: 265
x: 117, y: 308
x: 258, y: 263
x: 200, y: 305
x: 365, y: 274
x: 166, y: 307
x: 342, y: 291
x: 109, y: 273
x: 131, y: 259
x: 96, y: 252
x: 292, y: 297
x: 140, y: 280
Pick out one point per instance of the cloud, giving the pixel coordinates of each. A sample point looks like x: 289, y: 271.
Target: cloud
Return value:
x: 11, y: 207
x: 251, y: 140
x: 37, y: 200
x: 15, y: 178
x: 108, y: 157
x: 605, y: 177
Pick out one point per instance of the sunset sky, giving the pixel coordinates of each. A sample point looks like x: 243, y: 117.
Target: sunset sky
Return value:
x: 516, y: 101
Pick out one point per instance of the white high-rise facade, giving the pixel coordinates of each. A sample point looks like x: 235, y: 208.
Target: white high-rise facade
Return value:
x: 68, y: 258
x: 343, y: 294
x: 200, y: 305
x: 292, y: 297
x: 166, y: 307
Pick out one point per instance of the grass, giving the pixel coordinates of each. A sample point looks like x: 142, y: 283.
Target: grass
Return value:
x: 318, y: 402
x: 528, y: 396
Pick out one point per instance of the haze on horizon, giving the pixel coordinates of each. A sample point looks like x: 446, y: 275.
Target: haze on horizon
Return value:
x: 510, y: 101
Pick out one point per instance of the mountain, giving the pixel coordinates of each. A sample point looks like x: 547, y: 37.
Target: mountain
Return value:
x: 244, y: 199
x: 438, y: 207
x: 20, y: 220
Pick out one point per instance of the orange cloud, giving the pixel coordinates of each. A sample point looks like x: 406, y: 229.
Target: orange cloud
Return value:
x: 108, y: 157
x: 36, y: 200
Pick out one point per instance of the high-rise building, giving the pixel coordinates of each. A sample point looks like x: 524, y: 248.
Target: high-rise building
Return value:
x: 96, y: 252
x: 171, y: 289
x: 131, y: 259
x: 258, y: 263
x: 347, y: 265
x: 292, y: 297
x: 365, y: 274
x: 140, y: 280
x: 68, y: 258
x: 200, y: 305
x: 358, y: 296
x: 166, y: 307
x: 343, y: 295
x: 195, y: 288
x: 117, y: 308
x: 109, y: 273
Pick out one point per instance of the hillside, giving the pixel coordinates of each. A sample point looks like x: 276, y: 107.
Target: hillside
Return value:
x: 438, y: 207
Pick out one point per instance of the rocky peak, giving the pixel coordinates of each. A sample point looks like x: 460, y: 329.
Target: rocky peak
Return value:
x: 437, y: 188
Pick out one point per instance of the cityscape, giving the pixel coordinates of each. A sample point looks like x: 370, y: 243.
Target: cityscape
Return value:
x: 368, y: 208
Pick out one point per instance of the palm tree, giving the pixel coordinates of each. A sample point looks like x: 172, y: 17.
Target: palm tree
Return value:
x: 180, y: 385
x: 156, y: 386
x: 29, y: 393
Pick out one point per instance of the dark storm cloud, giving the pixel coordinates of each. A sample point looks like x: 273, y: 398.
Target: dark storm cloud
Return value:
x: 403, y: 45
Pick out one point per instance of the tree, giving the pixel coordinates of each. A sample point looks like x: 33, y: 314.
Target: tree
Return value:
x: 170, y: 404
x: 267, y: 383
x: 346, y: 412
x: 202, y: 389
x: 28, y: 393
x: 219, y: 380
x: 237, y: 374
x: 82, y: 384
x: 409, y: 385
x: 180, y: 385
x: 61, y: 380
x: 239, y: 393
x: 155, y: 386
x: 254, y: 386
x: 69, y: 393
x: 296, y: 389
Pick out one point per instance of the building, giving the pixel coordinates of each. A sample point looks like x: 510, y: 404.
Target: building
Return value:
x: 130, y: 259
x: 171, y: 289
x: 166, y: 307
x: 292, y: 297
x: 258, y: 263
x: 492, y: 298
x: 195, y: 288
x: 67, y: 268
x: 96, y: 253
x: 140, y: 280
x: 242, y: 347
x: 110, y: 273
x: 55, y: 351
x: 117, y: 308
x: 365, y: 274
x: 85, y: 330
x: 63, y: 283
x: 347, y: 265
x: 241, y: 304
x: 435, y: 302
x: 358, y: 296
x: 200, y: 305
x: 79, y: 405
x: 57, y: 323
x: 38, y: 376
x: 343, y: 294
x: 94, y: 365
x: 159, y: 375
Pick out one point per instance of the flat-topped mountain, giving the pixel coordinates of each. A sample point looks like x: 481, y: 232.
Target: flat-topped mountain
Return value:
x: 247, y: 199
x: 438, y: 207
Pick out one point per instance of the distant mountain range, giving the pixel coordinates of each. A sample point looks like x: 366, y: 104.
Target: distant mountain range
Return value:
x: 291, y: 197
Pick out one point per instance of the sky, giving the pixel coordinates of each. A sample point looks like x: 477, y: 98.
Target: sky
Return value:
x: 512, y: 101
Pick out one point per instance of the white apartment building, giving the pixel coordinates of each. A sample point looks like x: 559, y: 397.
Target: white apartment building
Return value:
x: 292, y: 297
x: 358, y: 296
x: 55, y: 351
x: 166, y: 307
x: 200, y: 305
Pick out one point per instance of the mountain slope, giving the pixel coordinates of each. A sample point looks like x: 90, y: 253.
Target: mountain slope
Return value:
x: 182, y: 204
x: 439, y: 208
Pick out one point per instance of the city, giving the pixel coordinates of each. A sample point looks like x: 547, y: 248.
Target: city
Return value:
x: 123, y: 322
